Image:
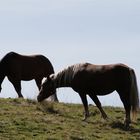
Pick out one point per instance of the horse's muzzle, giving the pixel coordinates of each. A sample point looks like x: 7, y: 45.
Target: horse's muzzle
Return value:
x: 39, y: 98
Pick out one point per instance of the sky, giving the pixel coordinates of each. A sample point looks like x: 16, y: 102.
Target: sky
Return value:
x: 69, y: 32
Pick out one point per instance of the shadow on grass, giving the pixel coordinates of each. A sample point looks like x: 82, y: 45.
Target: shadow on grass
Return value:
x: 120, y: 125
x: 76, y: 138
x: 47, y: 107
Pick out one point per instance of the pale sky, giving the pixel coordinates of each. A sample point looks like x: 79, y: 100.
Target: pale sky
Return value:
x: 69, y: 32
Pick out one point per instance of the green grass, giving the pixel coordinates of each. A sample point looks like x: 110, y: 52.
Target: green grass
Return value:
x: 28, y: 120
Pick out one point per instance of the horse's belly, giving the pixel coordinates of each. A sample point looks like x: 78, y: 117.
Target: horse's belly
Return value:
x: 99, y: 88
x: 29, y: 75
x: 27, y: 78
x: 103, y: 92
x: 103, y: 89
x: 100, y: 84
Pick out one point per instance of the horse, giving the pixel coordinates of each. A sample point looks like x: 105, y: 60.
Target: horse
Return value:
x: 90, y: 79
x: 19, y: 67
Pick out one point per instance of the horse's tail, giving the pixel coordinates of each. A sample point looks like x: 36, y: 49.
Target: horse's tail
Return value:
x: 134, y: 95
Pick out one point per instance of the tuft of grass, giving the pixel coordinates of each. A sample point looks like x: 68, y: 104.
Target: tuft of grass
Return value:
x: 47, y: 106
x: 27, y: 119
x: 31, y: 101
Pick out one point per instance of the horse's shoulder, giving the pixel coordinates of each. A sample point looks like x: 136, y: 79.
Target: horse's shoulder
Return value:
x: 11, y: 54
x: 8, y: 56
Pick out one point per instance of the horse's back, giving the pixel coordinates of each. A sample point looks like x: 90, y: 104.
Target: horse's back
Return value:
x: 27, y: 67
x: 29, y: 61
x: 110, y: 71
x: 96, y: 72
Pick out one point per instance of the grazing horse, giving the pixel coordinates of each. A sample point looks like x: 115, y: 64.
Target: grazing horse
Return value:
x: 93, y: 80
x: 20, y: 67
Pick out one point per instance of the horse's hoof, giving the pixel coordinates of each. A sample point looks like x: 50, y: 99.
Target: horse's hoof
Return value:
x: 84, y: 119
x: 21, y: 97
x: 105, y: 117
x: 127, y: 125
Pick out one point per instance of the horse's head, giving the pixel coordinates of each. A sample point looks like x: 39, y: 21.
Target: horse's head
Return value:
x: 47, y: 89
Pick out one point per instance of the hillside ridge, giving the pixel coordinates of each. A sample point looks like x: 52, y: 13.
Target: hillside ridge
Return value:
x: 24, y: 119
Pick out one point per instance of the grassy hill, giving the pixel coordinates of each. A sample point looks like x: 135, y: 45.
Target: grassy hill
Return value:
x: 28, y: 120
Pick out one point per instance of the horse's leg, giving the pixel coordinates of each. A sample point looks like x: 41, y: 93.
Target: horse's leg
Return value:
x: 17, y: 86
x: 126, y: 102
x: 98, y: 104
x: 85, y: 103
x: 38, y: 82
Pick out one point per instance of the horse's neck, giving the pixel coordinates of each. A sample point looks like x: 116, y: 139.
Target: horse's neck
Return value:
x: 2, y: 72
x: 64, y: 78
x: 2, y: 76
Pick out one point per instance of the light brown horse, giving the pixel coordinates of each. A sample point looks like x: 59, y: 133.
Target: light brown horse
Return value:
x: 93, y: 80
x: 20, y: 67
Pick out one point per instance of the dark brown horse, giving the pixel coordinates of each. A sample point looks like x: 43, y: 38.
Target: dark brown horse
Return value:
x: 20, y: 67
x: 93, y: 80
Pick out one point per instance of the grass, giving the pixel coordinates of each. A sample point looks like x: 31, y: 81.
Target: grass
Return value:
x: 28, y: 120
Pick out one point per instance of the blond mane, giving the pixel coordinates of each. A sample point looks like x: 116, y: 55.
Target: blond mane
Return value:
x: 64, y: 77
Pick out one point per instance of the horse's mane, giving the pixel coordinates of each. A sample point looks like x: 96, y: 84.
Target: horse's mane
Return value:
x: 64, y: 77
